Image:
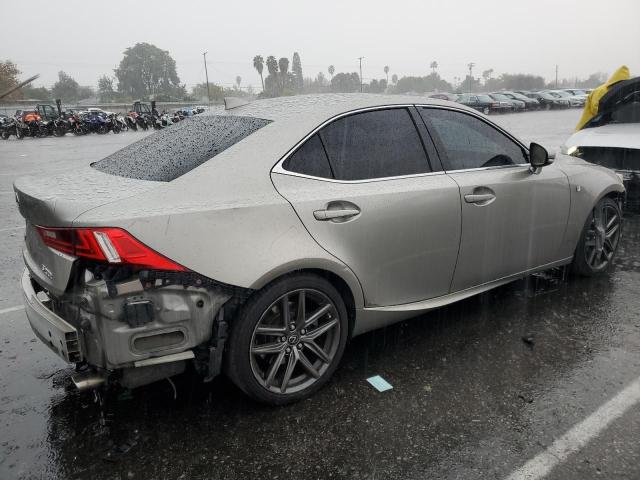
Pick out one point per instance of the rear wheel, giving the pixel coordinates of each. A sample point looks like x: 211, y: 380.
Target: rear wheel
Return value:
x: 600, y: 238
x: 288, y: 339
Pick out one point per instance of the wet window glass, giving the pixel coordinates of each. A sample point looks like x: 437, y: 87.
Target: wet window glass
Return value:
x: 169, y: 154
x: 470, y: 143
x: 310, y: 159
x: 377, y: 144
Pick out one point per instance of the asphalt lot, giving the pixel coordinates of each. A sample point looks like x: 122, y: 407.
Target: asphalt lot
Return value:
x: 470, y: 398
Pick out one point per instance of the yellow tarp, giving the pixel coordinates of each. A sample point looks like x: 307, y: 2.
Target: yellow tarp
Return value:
x: 593, y: 100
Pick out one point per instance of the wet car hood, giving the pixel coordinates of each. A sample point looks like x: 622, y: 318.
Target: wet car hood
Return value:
x: 622, y: 135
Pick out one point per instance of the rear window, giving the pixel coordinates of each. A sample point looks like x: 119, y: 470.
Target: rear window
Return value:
x: 170, y: 153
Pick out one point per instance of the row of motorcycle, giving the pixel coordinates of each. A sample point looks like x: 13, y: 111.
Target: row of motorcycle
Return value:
x: 32, y: 124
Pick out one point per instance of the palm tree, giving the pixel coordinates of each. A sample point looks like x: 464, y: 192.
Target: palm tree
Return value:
x: 258, y: 64
x: 238, y: 81
x: 332, y: 69
x: 283, y: 63
x: 433, y: 66
x: 386, y: 72
x: 487, y: 75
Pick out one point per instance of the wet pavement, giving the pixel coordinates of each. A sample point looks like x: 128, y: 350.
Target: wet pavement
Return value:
x: 479, y: 387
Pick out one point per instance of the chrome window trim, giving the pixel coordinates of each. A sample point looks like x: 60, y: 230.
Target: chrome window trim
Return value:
x: 278, y: 168
x: 476, y: 114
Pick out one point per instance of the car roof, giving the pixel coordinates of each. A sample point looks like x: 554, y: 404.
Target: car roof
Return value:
x: 312, y: 110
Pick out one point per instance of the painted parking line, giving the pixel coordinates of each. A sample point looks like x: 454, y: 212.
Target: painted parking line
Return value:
x: 579, y: 435
x: 17, y: 308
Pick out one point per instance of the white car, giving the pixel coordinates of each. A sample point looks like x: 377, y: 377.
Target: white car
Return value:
x: 574, y: 100
x: 612, y: 138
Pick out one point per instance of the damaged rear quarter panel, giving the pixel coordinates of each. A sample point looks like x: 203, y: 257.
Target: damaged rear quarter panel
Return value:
x: 225, y: 220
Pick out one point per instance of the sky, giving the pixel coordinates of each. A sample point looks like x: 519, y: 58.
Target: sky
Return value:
x: 518, y: 36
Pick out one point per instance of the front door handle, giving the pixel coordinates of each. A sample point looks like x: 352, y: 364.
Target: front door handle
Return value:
x: 344, y: 213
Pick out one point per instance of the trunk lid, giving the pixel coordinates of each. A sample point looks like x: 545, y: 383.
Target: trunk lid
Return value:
x: 56, y: 201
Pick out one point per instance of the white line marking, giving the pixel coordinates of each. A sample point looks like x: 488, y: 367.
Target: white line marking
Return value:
x: 12, y: 309
x: 579, y: 435
x: 10, y: 229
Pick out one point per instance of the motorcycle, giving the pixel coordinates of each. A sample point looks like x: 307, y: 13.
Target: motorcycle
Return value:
x: 30, y: 128
x: 130, y: 120
x: 8, y: 128
x: 60, y: 127
x: 76, y: 125
x: 95, y: 123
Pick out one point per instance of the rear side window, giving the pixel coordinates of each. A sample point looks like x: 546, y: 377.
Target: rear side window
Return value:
x: 174, y: 151
x: 309, y: 159
x: 376, y: 144
x: 468, y: 142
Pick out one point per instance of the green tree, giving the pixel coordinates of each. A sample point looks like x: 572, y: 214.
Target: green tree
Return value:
x: 430, y: 83
x: 296, y: 70
x: 106, y: 91
x: 147, y: 71
x: 36, y: 93
x: 433, y: 66
x: 283, y: 65
x: 238, y: 81
x: 394, y: 78
x: 66, y: 88
x: 271, y: 83
x: 345, y: 82
x: 331, y: 70
x: 386, y: 72
x: 9, y: 78
x: 487, y: 75
x: 258, y: 64
x: 199, y: 92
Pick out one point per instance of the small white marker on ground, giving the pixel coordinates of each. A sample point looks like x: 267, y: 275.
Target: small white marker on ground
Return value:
x: 379, y: 383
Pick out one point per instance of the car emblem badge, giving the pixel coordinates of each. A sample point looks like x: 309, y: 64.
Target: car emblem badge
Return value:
x: 293, y: 339
x: 46, y: 271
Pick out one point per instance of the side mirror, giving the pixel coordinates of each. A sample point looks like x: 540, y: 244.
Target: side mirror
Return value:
x: 538, y: 157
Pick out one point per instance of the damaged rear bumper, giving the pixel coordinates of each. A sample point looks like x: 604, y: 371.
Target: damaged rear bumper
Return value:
x: 130, y: 331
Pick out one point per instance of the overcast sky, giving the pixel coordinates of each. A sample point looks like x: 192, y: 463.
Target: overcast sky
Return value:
x: 520, y: 36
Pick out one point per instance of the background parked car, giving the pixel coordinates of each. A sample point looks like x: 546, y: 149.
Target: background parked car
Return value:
x: 574, y: 101
x: 516, y: 105
x: 452, y: 97
x: 483, y: 103
x: 530, y: 103
x: 548, y: 101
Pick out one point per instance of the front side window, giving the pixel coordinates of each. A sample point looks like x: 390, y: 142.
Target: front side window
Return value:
x: 375, y: 144
x: 469, y: 142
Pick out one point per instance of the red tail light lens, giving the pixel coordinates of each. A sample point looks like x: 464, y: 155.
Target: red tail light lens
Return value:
x: 111, y: 245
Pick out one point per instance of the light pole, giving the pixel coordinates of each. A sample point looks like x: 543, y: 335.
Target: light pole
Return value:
x: 360, y: 58
x: 470, y: 65
x: 206, y: 73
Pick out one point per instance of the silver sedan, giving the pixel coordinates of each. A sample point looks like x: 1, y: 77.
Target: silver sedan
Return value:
x: 257, y: 242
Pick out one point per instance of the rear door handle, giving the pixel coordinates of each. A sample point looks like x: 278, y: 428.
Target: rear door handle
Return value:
x: 479, y: 198
x: 324, y: 215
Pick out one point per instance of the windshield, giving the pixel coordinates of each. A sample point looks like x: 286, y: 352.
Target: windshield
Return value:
x: 169, y: 154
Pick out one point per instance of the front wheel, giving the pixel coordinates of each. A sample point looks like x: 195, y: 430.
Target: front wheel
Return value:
x: 486, y: 110
x: 288, y: 339
x: 600, y: 238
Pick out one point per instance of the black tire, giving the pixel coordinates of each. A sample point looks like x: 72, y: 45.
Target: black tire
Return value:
x: 19, y: 133
x: 241, y: 360
x: 547, y: 106
x: 5, y: 135
x: 595, y: 240
x: 486, y: 110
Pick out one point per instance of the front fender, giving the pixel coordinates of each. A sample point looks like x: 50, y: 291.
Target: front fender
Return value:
x: 589, y: 183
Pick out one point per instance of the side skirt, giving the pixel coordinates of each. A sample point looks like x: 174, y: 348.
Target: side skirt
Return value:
x: 370, y: 318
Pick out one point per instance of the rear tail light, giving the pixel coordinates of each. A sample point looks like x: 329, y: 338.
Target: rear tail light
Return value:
x: 495, y: 105
x: 110, y: 245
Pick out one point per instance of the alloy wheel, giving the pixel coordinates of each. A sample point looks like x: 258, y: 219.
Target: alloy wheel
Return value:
x: 295, y: 341
x: 603, y: 236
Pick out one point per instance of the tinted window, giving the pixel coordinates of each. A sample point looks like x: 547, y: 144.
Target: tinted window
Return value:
x: 381, y: 143
x: 309, y: 159
x: 170, y: 153
x: 469, y: 142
